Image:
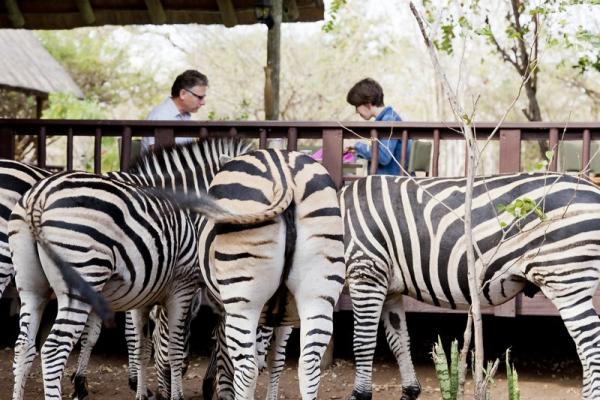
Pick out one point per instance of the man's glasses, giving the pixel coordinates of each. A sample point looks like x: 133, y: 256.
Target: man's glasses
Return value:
x: 195, y: 95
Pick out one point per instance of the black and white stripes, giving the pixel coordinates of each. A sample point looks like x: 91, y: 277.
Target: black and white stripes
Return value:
x: 404, y: 238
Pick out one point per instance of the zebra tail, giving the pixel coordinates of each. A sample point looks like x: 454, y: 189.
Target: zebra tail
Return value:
x: 72, y: 277
x: 208, y: 206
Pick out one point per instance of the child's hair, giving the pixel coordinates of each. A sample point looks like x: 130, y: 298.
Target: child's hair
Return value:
x: 365, y: 91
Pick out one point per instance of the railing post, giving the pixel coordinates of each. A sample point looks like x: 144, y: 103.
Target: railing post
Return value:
x: 553, y: 139
x: 262, y: 139
x: 510, y: 161
x: 333, y: 142
x: 163, y: 137
x: 292, y: 139
x: 403, y: 160
x: 374, y: 152
x: 585, y: 156
x: 70, y: 150
x: 98, y: 151
x: 7, y: 143
x: 436, y: 153
x: 125, y: 148
x: 510, y: 150
x: 41, y: 148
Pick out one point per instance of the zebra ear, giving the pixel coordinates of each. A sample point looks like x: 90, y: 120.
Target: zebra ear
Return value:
x: 224, y: 159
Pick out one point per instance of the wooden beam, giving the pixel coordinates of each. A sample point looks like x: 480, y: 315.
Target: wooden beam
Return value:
x: 272, y: 70
x: 86, y: 11
x: 290, y: 11
x: 228, y: 14
x: 14, y: 13
x: 156, y: 12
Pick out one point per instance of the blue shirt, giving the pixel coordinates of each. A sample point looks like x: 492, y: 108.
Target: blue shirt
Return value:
x: 166, y: 111
x: 387, y: 164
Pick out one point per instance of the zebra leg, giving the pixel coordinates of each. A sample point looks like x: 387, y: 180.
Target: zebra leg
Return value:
x: 177, y: 308
x: 368, y: 292
x: 139, y: 319
x: 160, y: 342
x: 223, y: 365
x: 133, y: 363
x: 276, y: 359
x: 34, y: 292
x: 70, y: 320
x: 573, y: 299
x: 89, y: 337
x: 396, y: 333
x: 32, y: 308
x: 264, y: 334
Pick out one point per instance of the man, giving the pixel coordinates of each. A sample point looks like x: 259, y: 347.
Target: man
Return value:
x: 187, y: 96
x: 367, y: 97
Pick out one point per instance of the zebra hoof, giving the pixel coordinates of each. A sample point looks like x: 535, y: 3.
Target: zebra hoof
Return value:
x: 360, y: 395
x: 411, y: 392
x: 79, y: 387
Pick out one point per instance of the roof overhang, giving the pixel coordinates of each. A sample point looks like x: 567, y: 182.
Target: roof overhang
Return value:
x: 67, y: 14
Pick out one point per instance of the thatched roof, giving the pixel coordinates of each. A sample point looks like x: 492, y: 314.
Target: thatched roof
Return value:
x: 66, y: 14
x: 26, y: 66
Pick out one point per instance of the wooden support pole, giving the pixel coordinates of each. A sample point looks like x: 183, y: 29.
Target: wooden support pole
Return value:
x: 156, y: 12
x: 290, y: 11
x: 228, y: 15
x: 14, y: 13
x: 86, y: 11
x: 272, y: 69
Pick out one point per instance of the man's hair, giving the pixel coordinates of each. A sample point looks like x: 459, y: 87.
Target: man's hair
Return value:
x: 366, y: 91
x: 187, y: 80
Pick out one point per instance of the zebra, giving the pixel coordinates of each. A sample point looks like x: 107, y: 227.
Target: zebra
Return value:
x: 291, y: 253
x: 190, y: 167
x: 406, y: 237
x: 15, y: 179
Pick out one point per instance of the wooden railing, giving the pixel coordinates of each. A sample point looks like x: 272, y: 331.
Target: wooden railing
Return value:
x: 332, y: 136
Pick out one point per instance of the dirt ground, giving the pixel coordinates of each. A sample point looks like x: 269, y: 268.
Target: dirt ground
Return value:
x: 108, y: 379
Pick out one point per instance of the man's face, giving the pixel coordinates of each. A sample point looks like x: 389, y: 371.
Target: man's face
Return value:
x: 192, y: 99
x: 364, y: 110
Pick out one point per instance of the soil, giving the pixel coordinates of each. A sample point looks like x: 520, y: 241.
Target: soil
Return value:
x: 108, y: 379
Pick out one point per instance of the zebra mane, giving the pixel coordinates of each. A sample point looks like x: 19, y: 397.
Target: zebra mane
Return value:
x: 190, y: 166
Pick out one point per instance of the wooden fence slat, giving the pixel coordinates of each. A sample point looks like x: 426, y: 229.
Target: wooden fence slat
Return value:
x: 585, y: 156
x: 374, y: 152
x: 70, y: 150
x: 7, y: 143
x: 292, y: 139
x: 98, y: 151
x: 403, y: 152
x: 510, y: 150
x: 436, y: 153
x: 553, y: 142
x: 333, y: 142
x: 41, y: 147
x: 125, y: 148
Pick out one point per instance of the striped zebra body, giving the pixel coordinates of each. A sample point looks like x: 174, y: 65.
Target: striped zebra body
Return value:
x: 15, y: 179
x: 407, y: 239
x: 136, y: 248
x: 248, y: 262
